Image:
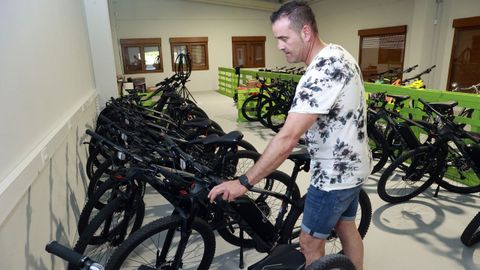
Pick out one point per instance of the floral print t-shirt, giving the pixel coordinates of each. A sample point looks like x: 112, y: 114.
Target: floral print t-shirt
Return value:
x: 332, y: 87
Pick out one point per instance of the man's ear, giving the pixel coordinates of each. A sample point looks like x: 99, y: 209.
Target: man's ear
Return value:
x: 306, y: 32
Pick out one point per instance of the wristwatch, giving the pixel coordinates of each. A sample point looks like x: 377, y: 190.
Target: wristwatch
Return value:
x: 244, y: 181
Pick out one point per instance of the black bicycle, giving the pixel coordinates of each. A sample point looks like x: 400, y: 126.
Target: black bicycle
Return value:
x: 452, y: 153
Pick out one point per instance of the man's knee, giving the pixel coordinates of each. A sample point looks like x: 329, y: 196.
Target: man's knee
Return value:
x: 309, y: 244
x: 346, y: 227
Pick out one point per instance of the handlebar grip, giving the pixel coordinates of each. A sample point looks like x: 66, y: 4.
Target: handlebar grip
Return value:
x: 65, y: 253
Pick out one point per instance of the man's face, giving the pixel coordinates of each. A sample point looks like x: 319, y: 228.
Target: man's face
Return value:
x: 288, y: 41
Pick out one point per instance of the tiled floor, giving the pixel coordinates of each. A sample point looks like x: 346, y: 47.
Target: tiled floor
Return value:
x: 423, y: 233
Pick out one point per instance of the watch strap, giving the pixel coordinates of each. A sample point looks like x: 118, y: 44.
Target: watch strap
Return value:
x: 244, y: 181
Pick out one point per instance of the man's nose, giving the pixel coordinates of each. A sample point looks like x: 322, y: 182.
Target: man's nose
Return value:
x: 280, y: 45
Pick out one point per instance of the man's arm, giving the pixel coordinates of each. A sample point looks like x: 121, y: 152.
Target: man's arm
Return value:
x: 276, y: 152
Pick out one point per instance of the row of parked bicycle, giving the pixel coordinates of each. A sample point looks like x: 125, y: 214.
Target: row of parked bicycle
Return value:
x: 173, y: 150
x: 431, y: 149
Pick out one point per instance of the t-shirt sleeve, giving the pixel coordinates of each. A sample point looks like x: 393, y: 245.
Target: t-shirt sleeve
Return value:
x: 321, y: 86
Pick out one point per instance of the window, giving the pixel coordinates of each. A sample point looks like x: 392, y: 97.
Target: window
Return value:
x: 465, y: 58
x: 196, y: 47
x: 142, y: 55
x: 248, y: 52
x: 381, y: 49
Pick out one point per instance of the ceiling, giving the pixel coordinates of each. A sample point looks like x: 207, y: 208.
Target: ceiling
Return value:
x: 266, y: 5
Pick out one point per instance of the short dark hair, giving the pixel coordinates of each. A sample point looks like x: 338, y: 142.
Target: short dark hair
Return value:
x: 299, y: 13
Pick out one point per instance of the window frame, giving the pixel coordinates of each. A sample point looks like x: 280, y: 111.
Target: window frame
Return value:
x: 382, y: 31
x: 141, y: 43
x: 250, y: 42
x: 189, y: 42
x: 470, y: 23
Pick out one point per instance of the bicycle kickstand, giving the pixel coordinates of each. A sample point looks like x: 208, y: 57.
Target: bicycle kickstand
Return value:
x: 436, y: 191
x: 241, y: 262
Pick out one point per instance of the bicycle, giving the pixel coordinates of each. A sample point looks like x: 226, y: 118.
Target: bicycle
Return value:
x: 119, y: 198
x: 448, y: 152
x: 246, y: 212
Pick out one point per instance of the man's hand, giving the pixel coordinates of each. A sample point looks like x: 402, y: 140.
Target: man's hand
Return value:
x: 230, y: 190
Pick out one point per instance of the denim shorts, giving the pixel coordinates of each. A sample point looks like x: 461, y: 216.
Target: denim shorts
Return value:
x: 323, y: 209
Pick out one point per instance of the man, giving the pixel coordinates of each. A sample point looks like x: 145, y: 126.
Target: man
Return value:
x: 329, y: 108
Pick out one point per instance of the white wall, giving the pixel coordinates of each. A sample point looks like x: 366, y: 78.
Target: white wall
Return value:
x: 429, y: 27
x: 176, y: 18
x: 429, y: 30
x: 47, y: 99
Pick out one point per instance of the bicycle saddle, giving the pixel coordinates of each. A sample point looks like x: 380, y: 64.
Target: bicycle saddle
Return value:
x: 198, y: 123
x: 300, y: 155
x: 444, y: 107
x: 230, y: 138
x: 281, y: 257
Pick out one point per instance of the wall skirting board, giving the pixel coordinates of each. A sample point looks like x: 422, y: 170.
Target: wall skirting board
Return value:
x: 17, y: 182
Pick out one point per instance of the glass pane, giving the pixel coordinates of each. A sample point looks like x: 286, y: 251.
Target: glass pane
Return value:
x: 152, y: 58
x: 178, y: 49
x: 465, y: 69
x: 240, y: 56
x: 258, y: 53
x: 198, y: 55
x: 381, y: 53
x: 134, y: 59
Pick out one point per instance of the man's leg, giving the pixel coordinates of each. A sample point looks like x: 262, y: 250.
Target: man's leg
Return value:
x: 351, y: 242
x: 312, y: 248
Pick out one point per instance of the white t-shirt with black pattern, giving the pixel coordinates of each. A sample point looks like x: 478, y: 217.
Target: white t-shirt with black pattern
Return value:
x: 332, y: 87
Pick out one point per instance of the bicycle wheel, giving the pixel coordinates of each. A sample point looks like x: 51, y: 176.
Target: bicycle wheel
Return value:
x: 109, y: 228
x: 265, y: 109
x: 101, y: 175
x: 244, y: 145
x: 277, y: 116
x: 292, y: 227
x: 102, y: 196
x: 408, y: 176
x: 236, y: 164
x: 379, y: 147
x: 277, y: 181
x: 471, y: 234
x: 458, y: 175
x: 149, y: 248
x: 331, y: 262
x: 95, y: 160
x: 250, y: 106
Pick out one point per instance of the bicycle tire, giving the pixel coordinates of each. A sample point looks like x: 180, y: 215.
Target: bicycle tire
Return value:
x: 250, y: 105
x: 412, y: 167
x: 456, y: 166
x: 471, y: 234
x: 264, y: 110
x: 244, y: 145
x: 269, y: 205
x: 331, y: 262
x: 98, y: 200
x: 169, y: 223
x: 100, y: 252
x: 236, y: 164
x: 292, y: 229
x: 101, y: 175
x: 277, y: 116
x: 379, y: 148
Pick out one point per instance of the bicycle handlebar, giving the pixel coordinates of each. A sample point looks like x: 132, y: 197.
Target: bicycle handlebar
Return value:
x: 410, y: 69
x: 71, y: 256
x: 428, y: 70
